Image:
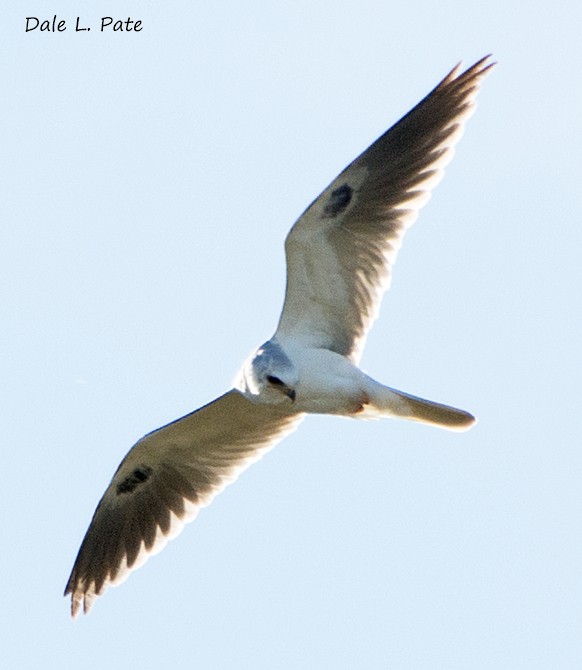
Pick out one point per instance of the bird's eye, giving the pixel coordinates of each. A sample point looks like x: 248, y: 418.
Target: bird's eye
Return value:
x: 274, y: 380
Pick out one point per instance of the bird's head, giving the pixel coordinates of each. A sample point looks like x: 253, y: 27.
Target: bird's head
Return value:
x: 269, y: 376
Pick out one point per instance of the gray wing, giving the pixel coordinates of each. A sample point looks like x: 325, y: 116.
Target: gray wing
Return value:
x: 341, y: 251
x: 163, y: 481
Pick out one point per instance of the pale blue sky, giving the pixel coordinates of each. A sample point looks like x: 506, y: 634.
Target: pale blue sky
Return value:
x: 148, y: 182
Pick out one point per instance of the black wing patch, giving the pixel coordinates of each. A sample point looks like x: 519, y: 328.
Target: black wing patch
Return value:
x: 137, y: 477
x: 339, y: 199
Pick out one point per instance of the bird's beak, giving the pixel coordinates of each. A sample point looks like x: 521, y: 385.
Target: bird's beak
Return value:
x: 291, y: 394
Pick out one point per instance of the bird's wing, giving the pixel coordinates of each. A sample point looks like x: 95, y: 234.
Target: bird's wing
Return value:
x: 341, y: 251
x: 163, y: 481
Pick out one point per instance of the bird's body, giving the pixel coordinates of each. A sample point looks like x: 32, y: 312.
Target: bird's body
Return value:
x: 340, y: 254
x: 322, y: 381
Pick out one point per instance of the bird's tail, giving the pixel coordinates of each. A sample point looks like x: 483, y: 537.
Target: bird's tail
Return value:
x: 385, y: 401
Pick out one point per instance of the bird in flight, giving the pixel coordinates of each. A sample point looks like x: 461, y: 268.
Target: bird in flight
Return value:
x: 340, y: 254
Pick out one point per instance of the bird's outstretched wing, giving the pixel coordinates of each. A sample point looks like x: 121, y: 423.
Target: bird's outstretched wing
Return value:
x: 341, y: 251
x: 163, y: 481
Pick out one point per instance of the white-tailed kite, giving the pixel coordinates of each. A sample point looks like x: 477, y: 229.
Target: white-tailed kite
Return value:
x: 340, y: 255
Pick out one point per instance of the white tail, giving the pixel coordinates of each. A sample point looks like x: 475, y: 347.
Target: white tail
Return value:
x: 385, y: 401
